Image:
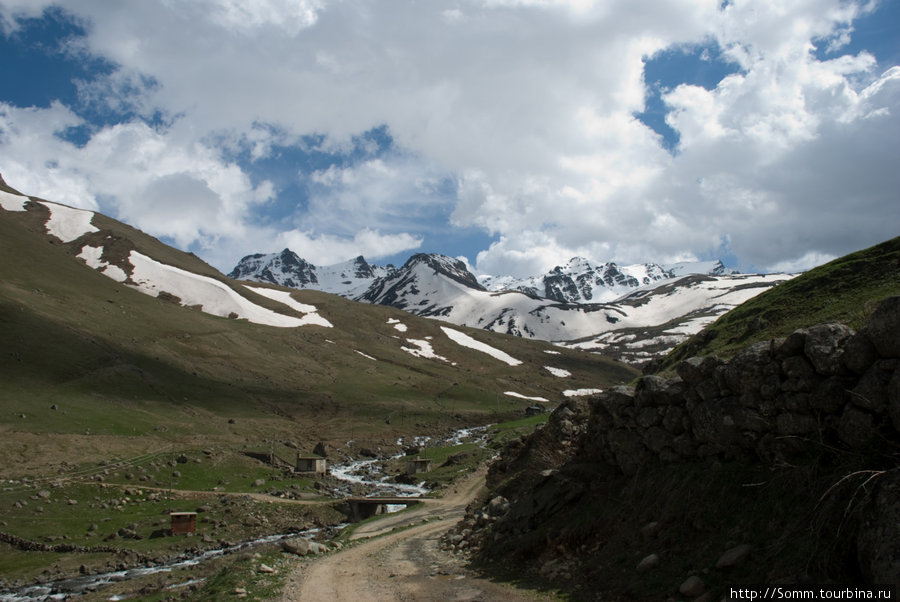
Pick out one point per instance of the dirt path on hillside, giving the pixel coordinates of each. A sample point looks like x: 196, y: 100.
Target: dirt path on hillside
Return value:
x: 407, y: 565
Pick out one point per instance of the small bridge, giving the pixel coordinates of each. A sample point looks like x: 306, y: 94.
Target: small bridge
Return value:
x: 362, y: 508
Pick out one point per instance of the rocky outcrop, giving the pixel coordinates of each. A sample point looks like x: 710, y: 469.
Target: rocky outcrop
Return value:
x: 777, y: 401
x: 824, y: 397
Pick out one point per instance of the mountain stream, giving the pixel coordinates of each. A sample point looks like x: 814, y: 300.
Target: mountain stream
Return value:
x: 367, y: 472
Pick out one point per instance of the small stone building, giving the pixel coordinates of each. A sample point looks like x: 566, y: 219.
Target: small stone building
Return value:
x: 418, y: 465
x: 310, y: 464
x: 183, y: 522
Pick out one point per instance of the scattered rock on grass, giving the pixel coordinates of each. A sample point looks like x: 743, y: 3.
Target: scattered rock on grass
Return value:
x: 733, y: 557
x: 648, y: 563
x: 692, y: 587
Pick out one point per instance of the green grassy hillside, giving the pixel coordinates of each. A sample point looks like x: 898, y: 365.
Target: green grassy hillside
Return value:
x: 89, y: 360
x: 845, y: 290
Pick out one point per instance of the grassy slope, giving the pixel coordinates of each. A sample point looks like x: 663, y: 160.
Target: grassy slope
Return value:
x: 845, y: 290
x: 118, y: 363
x: 101, y: 382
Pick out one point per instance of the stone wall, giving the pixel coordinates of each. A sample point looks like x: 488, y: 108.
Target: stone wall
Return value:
x: 824, y: 396
x: 825, y: 387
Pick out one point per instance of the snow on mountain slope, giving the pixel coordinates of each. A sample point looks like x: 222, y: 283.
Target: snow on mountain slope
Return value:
x: 581, y: 281
x: 93, y: 256
x: 684, y: 306
x: 432, y: 286
x: 286, y: 268
x: 67, y: 223
x: 152, y: 277
x: 460, y: 338
x: 12, y: 202
x: 711, y: 268
x: 311, y: 318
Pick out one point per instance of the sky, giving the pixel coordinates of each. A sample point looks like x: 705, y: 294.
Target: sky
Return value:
x: 513, y: 133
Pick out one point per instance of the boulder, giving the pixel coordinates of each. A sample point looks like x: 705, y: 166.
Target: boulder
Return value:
x: 856, y: 427
x: 831, y: 394
x: 697, y: 369
x: 302, y: 546
x: 692, y: 587
x: 894, y: 400
x: 859, y: 353
x: 871, y: 393
x: 648, y: 563
x: 733, y: 557
x: 651, y: 391
x: 823, y: 347
x: 793, y: 344
x: 883, y: 326
x: 651, y: 530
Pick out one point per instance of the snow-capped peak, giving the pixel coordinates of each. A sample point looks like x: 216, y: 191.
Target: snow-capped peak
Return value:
x: 348, y: 278
x: 582, y: 281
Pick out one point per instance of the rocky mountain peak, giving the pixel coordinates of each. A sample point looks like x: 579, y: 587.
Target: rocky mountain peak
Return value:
x: 446, y: 266
x: 285, y: 268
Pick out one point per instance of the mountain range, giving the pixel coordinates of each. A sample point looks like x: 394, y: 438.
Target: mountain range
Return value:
x: 634, y: 313
x: 94, y: 311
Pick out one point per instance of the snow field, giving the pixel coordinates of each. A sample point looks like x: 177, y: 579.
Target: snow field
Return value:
x: 581, y: 392
x: 422, y: 348
x: 67, y: 223
x: 93, y: 256
x: 284, y: 297
x: 558, y: 372
x: 467, y: 341
x: 520, y: 396
x: 152, y: 277
x: 12, y: 202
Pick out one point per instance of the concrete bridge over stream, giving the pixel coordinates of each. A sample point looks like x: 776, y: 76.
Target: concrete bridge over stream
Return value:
x: 362, y: 508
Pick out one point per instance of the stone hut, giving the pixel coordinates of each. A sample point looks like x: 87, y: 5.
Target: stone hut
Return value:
x: 310, y: 464
x: 418, y: 465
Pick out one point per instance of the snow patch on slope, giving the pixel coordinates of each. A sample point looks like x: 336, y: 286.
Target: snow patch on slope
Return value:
x: 558, y: 372
x: 581, y: 392
x: 67, y: 223
x: 466, y: 341
x: 520, y: 396
x: 422, y: 348
x: 214, y: 297
x: 12, y: 202
x: 400, y: 326
x: 93, y: 256
x: 311, y: 318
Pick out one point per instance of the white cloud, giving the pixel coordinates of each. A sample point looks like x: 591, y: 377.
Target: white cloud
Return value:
x: 323, y: 249
x: 801, y: 264
x: 526, y: 104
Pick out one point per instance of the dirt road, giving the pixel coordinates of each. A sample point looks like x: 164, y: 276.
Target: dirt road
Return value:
x: 406, y: 565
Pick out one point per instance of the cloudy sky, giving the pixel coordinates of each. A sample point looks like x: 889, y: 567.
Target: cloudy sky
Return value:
x: 515, y: 133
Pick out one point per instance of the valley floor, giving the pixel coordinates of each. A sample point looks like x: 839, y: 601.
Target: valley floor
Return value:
x: 403, y: 560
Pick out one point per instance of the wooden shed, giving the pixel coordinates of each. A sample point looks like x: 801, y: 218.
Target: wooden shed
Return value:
x: 418, y: 465
x: 310, y: 464
x: 183, y: 522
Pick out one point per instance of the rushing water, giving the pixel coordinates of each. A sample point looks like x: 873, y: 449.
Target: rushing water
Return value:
x: 366, y: 472
x: 74, y: 586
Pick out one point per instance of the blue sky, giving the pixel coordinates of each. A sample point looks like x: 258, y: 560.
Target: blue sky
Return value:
x: 514, y: 133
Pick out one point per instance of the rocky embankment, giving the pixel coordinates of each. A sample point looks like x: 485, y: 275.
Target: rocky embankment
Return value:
x: 816, y: 415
